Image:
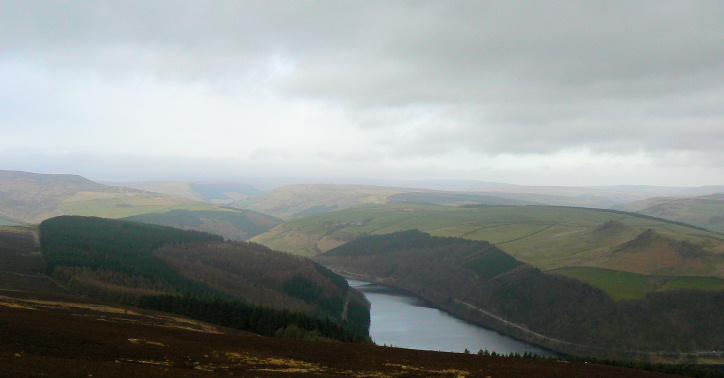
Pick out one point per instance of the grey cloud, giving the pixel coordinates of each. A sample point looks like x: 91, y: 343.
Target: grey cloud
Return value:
x: 420, y: 78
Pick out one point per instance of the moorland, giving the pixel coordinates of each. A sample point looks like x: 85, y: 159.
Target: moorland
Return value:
x: 622, y: 273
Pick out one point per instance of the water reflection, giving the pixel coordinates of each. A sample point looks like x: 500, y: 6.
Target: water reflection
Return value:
x: 407, y: 321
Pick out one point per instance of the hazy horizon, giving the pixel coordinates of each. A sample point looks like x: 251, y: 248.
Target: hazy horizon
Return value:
x: 563, y: 93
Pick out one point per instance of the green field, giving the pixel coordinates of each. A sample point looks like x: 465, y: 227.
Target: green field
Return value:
x: 623, y: 285
x: 118, y: 208
x: 294, y: 201
x: 544, y: 236
x: 704, y: 211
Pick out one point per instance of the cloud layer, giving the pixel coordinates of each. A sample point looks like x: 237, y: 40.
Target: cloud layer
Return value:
x: 578, y: 92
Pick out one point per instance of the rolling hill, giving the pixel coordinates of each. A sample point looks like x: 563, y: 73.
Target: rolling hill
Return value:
x: 232, y: 224
x: 546, y: 237
x: 295, y: 201
x: 28, y: 198
x: 703, y: 211
x: 479, y: 282
x: 222, y: 193
x: 31, y: 198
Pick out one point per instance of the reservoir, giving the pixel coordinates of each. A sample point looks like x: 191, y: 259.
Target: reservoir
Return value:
x: 405, y: 321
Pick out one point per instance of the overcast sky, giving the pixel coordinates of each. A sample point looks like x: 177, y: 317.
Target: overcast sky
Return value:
x: 523, y: 92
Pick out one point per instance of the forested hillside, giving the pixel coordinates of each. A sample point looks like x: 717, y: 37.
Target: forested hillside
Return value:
x: 235, y: 284
x: 478, y: 281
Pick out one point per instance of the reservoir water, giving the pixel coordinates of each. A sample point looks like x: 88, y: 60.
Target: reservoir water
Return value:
x: 406, y: 321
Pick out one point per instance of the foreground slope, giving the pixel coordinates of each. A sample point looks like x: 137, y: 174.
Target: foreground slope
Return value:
x: 50, y: 335
x: 479, y: 282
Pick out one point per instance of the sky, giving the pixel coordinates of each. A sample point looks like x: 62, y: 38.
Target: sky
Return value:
x: 522, y: 92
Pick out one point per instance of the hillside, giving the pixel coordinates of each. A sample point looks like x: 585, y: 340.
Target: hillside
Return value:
x: 52, y: 335
x: 31, y: 198
x: 479, y: 282
x: 237, y: 284
x: 47, y: 332
x: 545, y: 236
x: 294, y: 201
x: 232, y: 224
x: 222, y: 193
x: 28, y: 198
x: 703, y: 211
x: 549, y: 238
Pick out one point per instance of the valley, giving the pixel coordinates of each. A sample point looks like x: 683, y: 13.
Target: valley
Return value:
x: 582, y: 281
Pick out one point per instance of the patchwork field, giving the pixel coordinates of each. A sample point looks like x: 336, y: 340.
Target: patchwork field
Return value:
x: 544, y: 236
x: 623, y: 285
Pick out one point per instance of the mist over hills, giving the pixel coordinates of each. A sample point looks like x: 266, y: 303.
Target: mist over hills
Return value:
x: 27, y: 198
x: 31, y: 197
x: 223, y: 193
x: 704, y: 211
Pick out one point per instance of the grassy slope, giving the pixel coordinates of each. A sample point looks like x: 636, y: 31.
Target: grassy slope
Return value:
x: 624, y: 285
x: 299, y: 200
x: 31, y: 198
x: 232, y: 224
x: 295, y: 201
x: 217, y: 192
x: 704, y: 211
x: 546, y: 237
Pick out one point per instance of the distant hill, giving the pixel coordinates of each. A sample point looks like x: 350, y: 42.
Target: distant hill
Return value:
x: 546, y: 237
x: 479, y: 282
x: 704, y: 211
x: 294, y: 201
x: 454, y: 199
x: 223, y: 193
x: 31, y: 198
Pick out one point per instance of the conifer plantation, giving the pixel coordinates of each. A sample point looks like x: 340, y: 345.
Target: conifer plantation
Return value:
x: 233, y: 284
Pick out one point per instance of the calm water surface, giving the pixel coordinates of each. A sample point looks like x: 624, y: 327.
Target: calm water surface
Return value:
x: 405, y: 321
